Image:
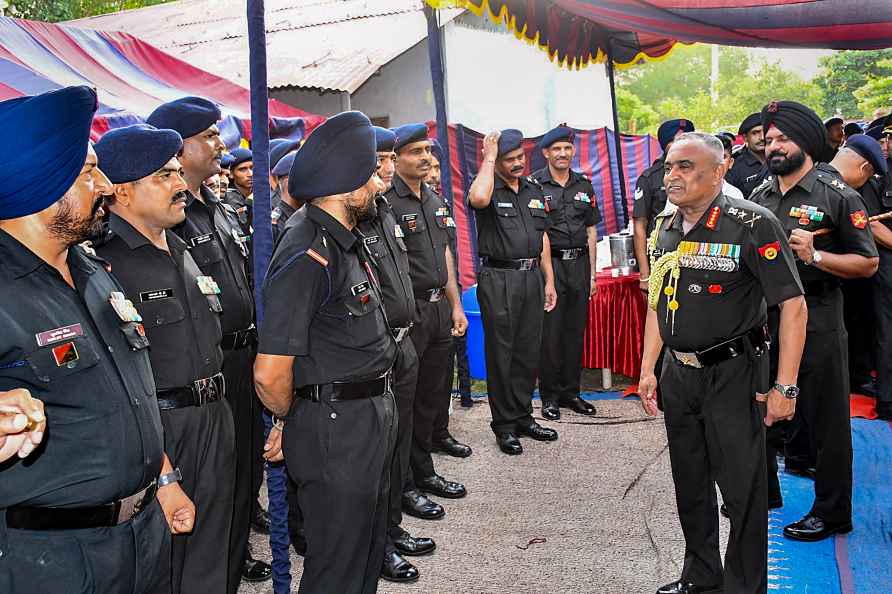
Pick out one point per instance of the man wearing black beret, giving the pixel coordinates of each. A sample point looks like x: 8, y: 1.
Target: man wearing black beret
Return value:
x: 749, y: 167
x: 835, y: 127
x: 278, y: 148
x: 512, y: 240
x: 181, y: 308
x: 240, y: 194
x: 218, y: 245
x: 805, y: 200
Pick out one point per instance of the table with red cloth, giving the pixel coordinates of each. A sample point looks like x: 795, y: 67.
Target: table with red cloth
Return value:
x: 614, y: 334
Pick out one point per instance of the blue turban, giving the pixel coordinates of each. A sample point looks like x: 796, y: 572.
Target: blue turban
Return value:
x: 437, y: 150
x: 134, y: 152
x: 283, y: 167
x: 559, y: 134
x: 869, y: 149
x: 408, y: 134
x: 226, y: 161
x: 280, y: 147
x: 240, y: 155
x: 384, y: 139
x: 338, y: 157
x: 668, y: 130
x: 45, y: 147
x: 188, y: 115
x: 509, y: 140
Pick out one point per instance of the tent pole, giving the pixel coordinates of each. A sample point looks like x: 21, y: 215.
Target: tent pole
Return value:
x: 438, y: 79
x: 617, y: 137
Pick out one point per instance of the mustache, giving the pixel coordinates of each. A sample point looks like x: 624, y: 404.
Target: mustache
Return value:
x: 516, y: 169
x: 99, y: 203
x: 774, y: 154
x: 179, y: 196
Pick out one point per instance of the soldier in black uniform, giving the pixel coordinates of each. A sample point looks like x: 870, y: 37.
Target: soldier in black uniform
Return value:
x: 749, y: 169
x: 326, y: 352
x: 240, y: 195
x: 427, y: 225
x: 717, y: 262
x: 573, y: 209
x: 650, y: 195
x: 835, y: 127
x: 287, y: 205
x: 78, y: 504
x: 513, y: 246
x: 806, y: 199
x: 278, y: 149
x: 220, y: 248
x: 181, y: 310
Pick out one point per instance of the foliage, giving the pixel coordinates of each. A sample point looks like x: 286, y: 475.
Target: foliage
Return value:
x: 634, y: 114
x: 877, y: 91
x: 845, y: 74
x: 54, y: 11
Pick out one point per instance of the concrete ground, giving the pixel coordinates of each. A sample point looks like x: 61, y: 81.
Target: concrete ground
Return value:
x: 591, y: 513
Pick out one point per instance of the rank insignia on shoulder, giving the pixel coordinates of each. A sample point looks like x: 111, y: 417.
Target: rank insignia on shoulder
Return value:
x: 859, y: 219
x: 536, y: 203
x: 316, y: 256
x: 398, y: 231
x: 769, y: 251
x: 124, y: 307
x: 838, y: 184
x: 713, y: 218
x: 207, y: 285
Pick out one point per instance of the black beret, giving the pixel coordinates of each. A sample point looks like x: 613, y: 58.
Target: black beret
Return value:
x: 852, y: 128
x: 338, y: 157
x: 188, y: 115
x: 561, y: 133
x: 870, y: 151
x: 279, y: 147
x: 834, y: 120
x: 134, y: 152
x: 667, y: 131
x: 750, y: 122
x: 408, y: 134
x: 800, y: 123
x: 510, y: 140
x: 283, y: 167
x: 226, y: 161
x: 384, y: 139
x: 240, y: 155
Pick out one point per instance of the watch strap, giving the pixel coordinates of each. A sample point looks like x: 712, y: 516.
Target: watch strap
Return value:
x: 171, y: 477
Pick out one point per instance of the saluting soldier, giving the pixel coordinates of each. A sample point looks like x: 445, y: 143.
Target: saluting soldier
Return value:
x: 78, y: 502
x: 749, y: 167
x: 513, y: 292
x: 717, y: 263
x: 805, y: 200
x: 573, y: 209
x: 326, y: 353
x: 181, y: 310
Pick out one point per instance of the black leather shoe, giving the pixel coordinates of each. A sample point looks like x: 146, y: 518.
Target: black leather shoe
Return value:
x: 466, y: 401
x: 771, y: 505
x: 299, y: 544
x: 812, y: 528
x: 578, y: 405
x: 550, y: 410
x: 803, y: 471
x: 397, y: 569
x: 538, y: 432
x: 437, y: 485
x: 411, y: 546
x: 452, y: 447
x: 260, y: 520
x: 417, y: 505
x: 509, y: 444
x: 256, y: 571
x: 681, y: 587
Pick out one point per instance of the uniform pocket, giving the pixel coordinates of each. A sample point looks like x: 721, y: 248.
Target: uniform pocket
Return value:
x: 56, y: 362
x: 162, y: 312
x: 205, y: 250
x: 540, y: 217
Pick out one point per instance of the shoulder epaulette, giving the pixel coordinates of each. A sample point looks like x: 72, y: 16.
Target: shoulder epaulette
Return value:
x: 839, y: 186
x: 765, y: 183
x: 744, y: 212
x: 318, y: 250
x: 534, y: 181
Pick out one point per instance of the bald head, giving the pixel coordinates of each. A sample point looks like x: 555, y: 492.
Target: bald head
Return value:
x: 854, y: 169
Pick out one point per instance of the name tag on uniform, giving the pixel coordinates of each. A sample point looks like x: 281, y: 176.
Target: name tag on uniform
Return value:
x: 201, y: 239
x: 155, y: 295
x: 371, y: 239
x: 505, y: 204
x: 124, y: 307
x: 536, y: 203
x: 207, y: 285
x: 59, y: 334
x: 398, y: 231
x: 360, y: 288
x: 547, y: 197
x: 582, y: 197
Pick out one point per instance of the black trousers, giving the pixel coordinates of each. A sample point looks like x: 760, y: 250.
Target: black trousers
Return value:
x: 247, y: 412
x: 882, y: 304
x: 200, y: 441
x: 432, y: 338
x: 339, y: 455
x: 563, y: 331
x: 511, y: 303
x: 860, y: 324
x: 123, y: 559
x: 715, y: 431
x: 458, y: 358
x: 405, y: 378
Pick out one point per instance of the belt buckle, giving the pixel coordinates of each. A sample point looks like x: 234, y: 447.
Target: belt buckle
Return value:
x: 688, y: 359
x: 401, y: 334
x: 526, y: 264
x: 568, y: 254
x: 435, y: 295
x: 202, y: 389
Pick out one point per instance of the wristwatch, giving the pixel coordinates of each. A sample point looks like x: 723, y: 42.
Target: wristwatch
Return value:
x: 790, y: 392
x: 171, y: 477
x: 816, y: 258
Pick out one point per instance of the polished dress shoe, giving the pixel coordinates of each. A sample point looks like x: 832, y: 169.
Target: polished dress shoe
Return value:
x: 538, y: 432
x: 417, y: 505
x: 578, y: 405
x: 437, y: 485
x: 397, y: 569
x: 260, y: 520
x: 411, y: 546
x: 771, y: 505
x: 451, y: 446
x: 550, y: 410
x: 256, y: 571
x: 812, y: 528
x: 509, y: 444
x: 681, y: 587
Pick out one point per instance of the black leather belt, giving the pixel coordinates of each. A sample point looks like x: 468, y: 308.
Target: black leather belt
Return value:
x: 22, y: 517
x: 346, y: 391
x: 757, y: 337
x: 198, y: 394
x: 402, y: 332
x: 819, y: 287
x: 518, y: 264
x: 432, y: 295
x: 569, y: 254
x: 239, y: 340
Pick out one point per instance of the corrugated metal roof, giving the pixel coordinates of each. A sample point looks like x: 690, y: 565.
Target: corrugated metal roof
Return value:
x: 327, y: 44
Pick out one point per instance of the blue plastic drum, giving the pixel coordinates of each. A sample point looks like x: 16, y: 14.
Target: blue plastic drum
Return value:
x: 476, y: 355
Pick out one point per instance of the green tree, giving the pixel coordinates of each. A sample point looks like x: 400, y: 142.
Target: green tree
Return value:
x: 877, y: 91
x: 634, y: 114
x: 845, y: 72
x: 54, y: 11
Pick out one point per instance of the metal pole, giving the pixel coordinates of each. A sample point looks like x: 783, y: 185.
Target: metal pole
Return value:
x: 435, y: 55
x: 617, y: 137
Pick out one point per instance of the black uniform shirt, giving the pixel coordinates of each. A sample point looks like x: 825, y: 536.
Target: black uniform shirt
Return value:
x: 732, y: 264
x: 747, y: 173
x: 512, y: 226
x: 572, y: 209
x: 242, y: 206
x: 383, y: 238
x: 275, y: 197
x: 279, y: 216
x: 427, y: 225
x: 182, y: 322
x: 91, y: 370
x: 217, y: 244
x: 820, y: 200
x: 321, y: 306
x: 650, y: 194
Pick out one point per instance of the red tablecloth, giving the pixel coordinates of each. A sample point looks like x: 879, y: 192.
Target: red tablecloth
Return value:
x: 614, y: 334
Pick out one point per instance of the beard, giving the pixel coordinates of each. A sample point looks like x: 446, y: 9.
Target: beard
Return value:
x: 785, y: 165
x: 70, y: 229
x: 358, y: 213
